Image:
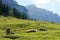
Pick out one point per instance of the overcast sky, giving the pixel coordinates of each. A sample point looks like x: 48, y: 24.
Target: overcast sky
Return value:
x: 51, y: 5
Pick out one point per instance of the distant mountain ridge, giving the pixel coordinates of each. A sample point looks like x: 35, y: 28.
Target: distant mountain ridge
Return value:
x: 42, y: 14
x: 14, y: 4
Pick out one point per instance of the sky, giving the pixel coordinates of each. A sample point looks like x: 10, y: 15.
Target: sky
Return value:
x: 51, y: 5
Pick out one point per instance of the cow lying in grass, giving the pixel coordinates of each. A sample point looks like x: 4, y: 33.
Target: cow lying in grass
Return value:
x: 31, y: 30
x: 42, y: 29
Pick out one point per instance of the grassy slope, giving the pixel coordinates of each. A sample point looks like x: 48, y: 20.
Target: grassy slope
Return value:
x: 52, y: 33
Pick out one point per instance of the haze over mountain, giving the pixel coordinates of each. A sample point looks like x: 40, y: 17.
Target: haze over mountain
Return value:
x: 14, y: 4
x: 34, y: 12
x: 42, y: 14
x: 51, y: 5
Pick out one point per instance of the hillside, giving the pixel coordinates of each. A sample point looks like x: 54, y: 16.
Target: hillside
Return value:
x: 20, y: 27
x: 6, y: 9
x: 14, y: 4
x: 42, y: 14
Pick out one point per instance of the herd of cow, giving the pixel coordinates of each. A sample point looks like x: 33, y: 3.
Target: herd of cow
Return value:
x: 28, y: 31
x: 35, y: 30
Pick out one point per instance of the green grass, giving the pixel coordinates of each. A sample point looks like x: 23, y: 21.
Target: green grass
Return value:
x: 21, y: 26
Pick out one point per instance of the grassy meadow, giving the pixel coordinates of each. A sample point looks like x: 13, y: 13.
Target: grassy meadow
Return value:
x: 19, y: 27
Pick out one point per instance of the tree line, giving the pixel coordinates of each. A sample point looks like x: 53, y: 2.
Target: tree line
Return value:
x: 6, y: 10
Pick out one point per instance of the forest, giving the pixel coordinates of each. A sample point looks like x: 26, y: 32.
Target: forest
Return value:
x: 6, y: 10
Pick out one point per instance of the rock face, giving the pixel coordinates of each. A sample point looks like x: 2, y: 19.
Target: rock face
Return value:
x: 42, y: 14
x: 14, y: 4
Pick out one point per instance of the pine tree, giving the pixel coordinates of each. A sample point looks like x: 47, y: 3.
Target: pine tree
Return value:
x: 16, y: 13
x: 0, y: 7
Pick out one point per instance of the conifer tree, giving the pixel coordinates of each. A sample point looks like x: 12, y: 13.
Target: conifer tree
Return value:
x: 0, y: 7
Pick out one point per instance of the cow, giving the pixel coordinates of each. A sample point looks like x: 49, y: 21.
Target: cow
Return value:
x: 31, y: 30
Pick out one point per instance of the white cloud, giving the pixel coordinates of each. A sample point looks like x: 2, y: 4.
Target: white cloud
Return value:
x: 58, y: 1
x: 40, y: 2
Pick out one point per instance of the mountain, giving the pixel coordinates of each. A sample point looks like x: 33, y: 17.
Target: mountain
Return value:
x: 14, y: 4
x: 42, y: 14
